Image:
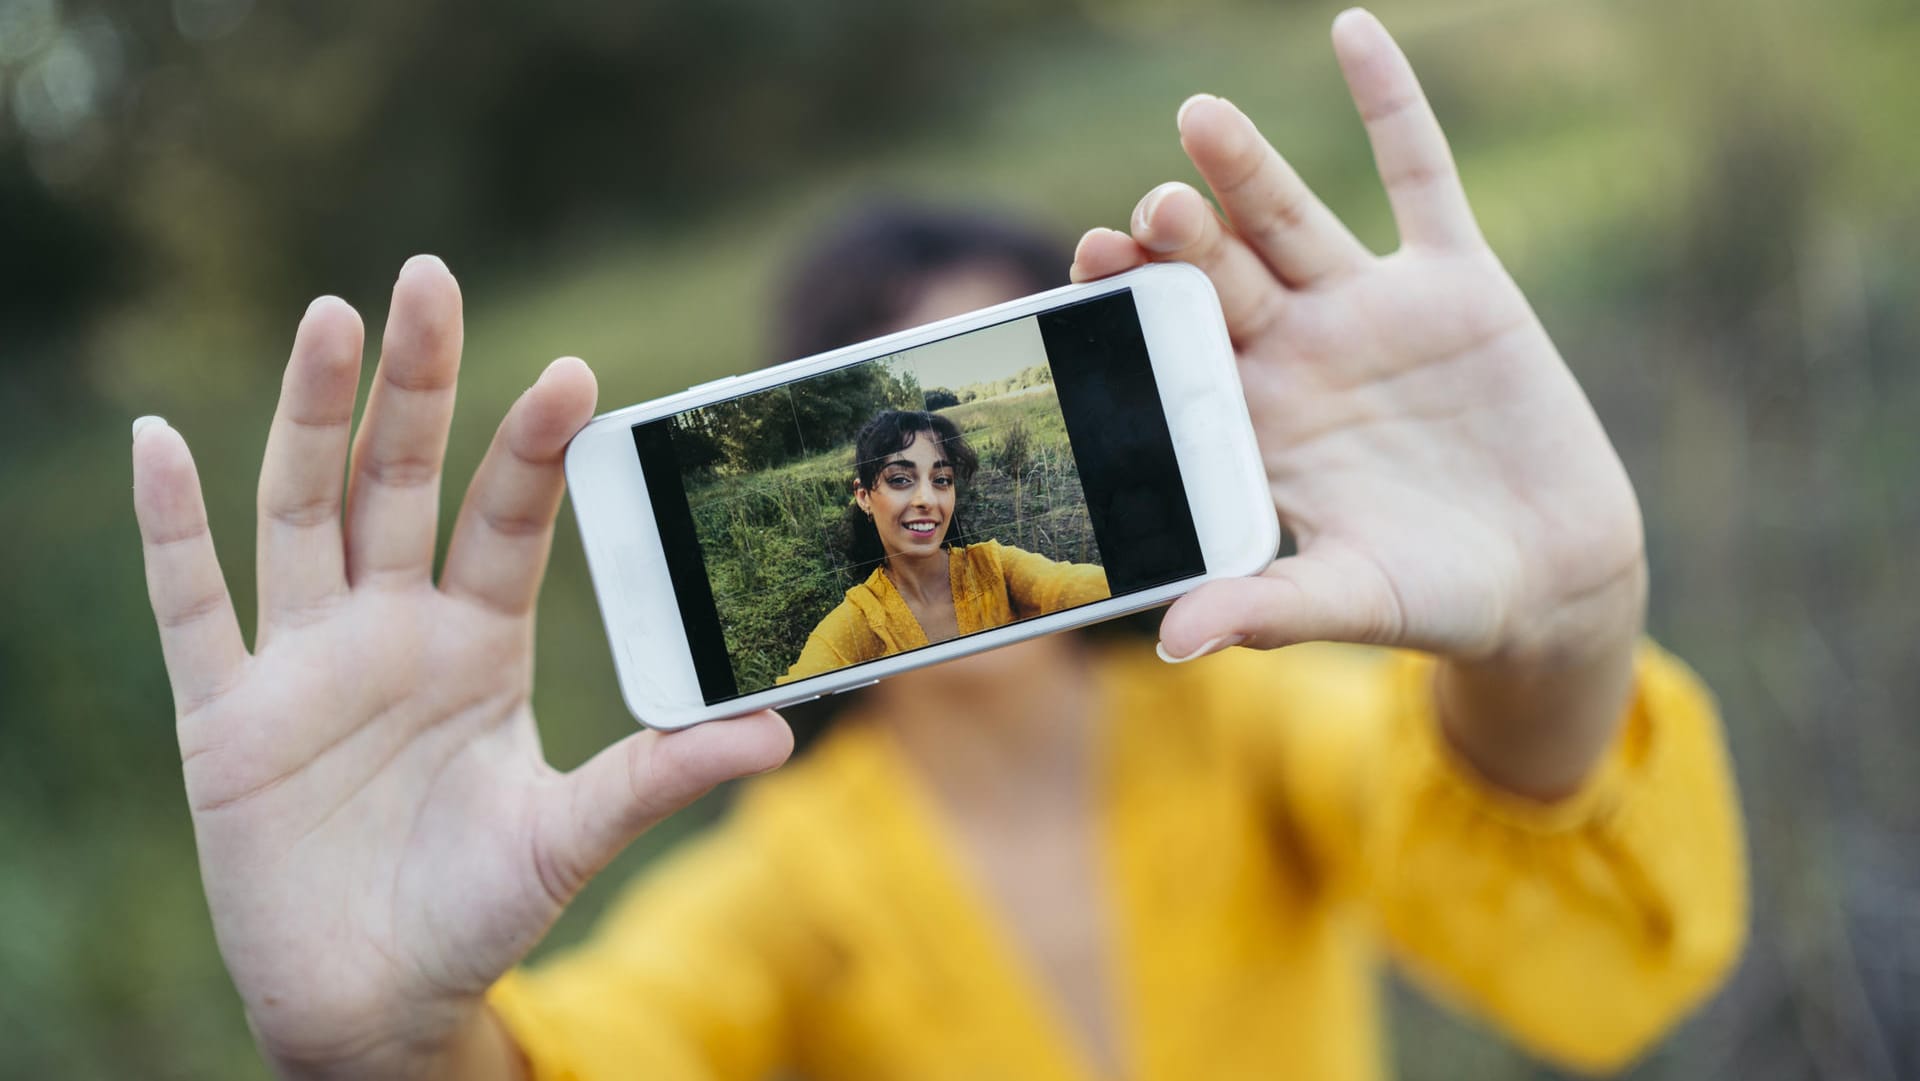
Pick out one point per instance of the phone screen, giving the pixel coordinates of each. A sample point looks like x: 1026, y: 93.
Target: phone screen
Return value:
x: 1000, y: 474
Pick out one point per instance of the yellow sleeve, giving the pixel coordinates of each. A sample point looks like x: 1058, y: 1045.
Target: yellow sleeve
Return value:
x: 1584, y: 928
x: 831, y: 645
x: 1037, y: 585
x: 693, y: 975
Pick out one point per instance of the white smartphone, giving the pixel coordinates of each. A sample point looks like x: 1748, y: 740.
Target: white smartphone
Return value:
x: 771, y: 537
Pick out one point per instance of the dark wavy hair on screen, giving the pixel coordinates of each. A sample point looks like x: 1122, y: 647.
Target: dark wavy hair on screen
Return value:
x: 888, y: 433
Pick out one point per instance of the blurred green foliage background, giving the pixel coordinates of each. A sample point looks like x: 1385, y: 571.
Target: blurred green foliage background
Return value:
x: 1712, y: 205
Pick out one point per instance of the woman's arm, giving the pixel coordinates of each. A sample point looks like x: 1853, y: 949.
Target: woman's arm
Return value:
x: 1547, y: 830
x: 1584, y: 927
x: 1037, y: 585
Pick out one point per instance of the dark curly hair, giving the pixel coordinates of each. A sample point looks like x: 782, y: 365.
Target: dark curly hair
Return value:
x: 888, y: 433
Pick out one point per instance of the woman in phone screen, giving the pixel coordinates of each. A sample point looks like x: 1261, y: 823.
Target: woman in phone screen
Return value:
x: 925, y: 588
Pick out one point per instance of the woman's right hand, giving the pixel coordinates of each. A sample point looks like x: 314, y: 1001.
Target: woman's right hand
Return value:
x: 379, y: 836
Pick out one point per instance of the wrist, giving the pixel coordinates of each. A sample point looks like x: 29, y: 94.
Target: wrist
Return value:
x: 482, y: 1050
x: 1536, y: 715
x: 426, y: 1047
x: 1566, y: 631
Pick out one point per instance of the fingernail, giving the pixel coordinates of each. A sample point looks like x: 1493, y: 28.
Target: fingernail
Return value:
x: 1211, y: 645
x: 1350, y: 15
x: 1180, y: 118
x: 140, y: 424
x: 1144, y: 212
x: 423, y: 260
x: 1098, y: 230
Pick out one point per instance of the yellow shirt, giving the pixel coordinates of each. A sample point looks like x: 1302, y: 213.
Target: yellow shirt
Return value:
x: 993, y: 585
x: 1270, y: 824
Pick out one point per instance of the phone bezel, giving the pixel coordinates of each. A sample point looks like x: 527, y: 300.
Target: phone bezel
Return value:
x: 1201, y: 397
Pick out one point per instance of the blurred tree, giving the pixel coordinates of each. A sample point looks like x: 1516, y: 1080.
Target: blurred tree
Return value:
x: 223, y: 148
x: 57, y: 262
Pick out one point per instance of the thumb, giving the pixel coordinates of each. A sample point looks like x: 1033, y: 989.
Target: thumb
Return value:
x: 628, y: 788
x: 1303, y: 598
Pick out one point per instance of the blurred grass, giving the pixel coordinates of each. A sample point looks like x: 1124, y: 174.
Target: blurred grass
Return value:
x: 1712, y: 206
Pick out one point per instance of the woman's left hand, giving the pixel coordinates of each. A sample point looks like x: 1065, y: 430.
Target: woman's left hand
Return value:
x: 1448, y: 484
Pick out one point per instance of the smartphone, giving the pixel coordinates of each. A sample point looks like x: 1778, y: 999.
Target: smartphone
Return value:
x: 768, y: 538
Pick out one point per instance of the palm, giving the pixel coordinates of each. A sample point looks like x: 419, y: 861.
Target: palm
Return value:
x: 379, y: 836
x: 1419, y: 424
x: 1449, y: 486
x: 396, y: 827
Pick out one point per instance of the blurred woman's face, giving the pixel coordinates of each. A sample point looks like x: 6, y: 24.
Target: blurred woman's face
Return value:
x: 912, y: 497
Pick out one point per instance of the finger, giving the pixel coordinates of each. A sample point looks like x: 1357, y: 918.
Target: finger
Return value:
x: 1269, y: 206
x: 393, y: 498
x: 626, y: 789
x: 499, y: 548
x: 1304, y: 598
x: 301, y: 561
x: 1409, y: 149
x: 1104, y: 252
x: 1175, y: 223
x: 199, y: 635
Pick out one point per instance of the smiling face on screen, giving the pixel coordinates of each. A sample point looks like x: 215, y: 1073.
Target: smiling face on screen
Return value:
x: 912, y: 498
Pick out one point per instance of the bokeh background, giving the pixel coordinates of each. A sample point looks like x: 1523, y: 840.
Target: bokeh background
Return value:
x: 1711, y: 203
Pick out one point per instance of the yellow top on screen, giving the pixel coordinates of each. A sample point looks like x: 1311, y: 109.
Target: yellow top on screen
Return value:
x: 993, y: 585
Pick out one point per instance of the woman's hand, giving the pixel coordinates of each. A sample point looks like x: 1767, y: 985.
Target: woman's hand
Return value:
x: 1448, y: 484
x: 379, y: 836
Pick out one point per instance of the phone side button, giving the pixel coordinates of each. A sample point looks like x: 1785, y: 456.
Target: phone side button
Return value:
x: 857, y: 686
